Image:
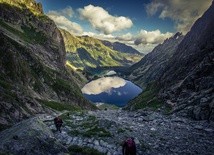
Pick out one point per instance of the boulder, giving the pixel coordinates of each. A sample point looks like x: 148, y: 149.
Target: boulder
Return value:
x: 30, y: 137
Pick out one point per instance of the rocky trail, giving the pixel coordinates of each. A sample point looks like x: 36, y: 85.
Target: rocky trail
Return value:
x: 154, y: 133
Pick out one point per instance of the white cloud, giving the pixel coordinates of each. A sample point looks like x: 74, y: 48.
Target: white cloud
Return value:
x: 183, y: 12
x: 151, y: 37
x: 59, y: 17
x: 125, y: 37
x: 68, y: 11
x: 100, y: 36
x: 102, y: 21
x: 144, y: 42
x: 104, y: 84
x: 145, y: 48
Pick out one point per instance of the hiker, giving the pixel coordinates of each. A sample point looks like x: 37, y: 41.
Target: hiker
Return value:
x: 129, y: 147
x: 58, y: 123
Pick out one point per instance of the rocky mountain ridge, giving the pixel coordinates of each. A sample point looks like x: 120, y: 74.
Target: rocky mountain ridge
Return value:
x: 183, y: 81
x: 152, y: 66
x: 188, y: 82
x: 32, y: 65
x: 117, y: 46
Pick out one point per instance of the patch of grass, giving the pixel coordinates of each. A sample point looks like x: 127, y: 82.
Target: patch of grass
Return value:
x: 66, y: 116
x: 74, y: 132
x: 60, y: 106
x: 11, y: 29
x: 5, y: 153
x: 148, y: 98
x: 29, y: 34
x: 77, y: 150
x: 3, y: 127
x: 97, y: 131
x: 144, y: 146
x: 5, y: 84
x: 91, y: 118
x: 167, y: 110
x: 33, y: 36
x: 87, y: 124
x: 108, y: 106
x: 120, y: 130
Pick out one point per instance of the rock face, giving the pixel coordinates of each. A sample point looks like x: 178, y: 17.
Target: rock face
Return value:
x: 152, y: 66
x: 32, y: 60
x: 30, y: 137
x: 121, y: 47
x: 87, y: 52
x: 189, y: 78
x: 186, y: 78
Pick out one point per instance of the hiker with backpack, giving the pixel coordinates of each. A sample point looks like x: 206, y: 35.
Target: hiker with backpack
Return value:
x: 129, y: 147
x: 58, y: 123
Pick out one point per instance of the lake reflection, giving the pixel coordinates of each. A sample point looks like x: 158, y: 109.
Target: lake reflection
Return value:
x: 111, y: 90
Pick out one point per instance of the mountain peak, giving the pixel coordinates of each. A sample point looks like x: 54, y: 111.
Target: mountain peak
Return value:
x: 177, y: 35
x: 34, y: 7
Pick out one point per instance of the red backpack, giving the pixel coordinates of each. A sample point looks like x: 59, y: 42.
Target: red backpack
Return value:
x: 130, y: 143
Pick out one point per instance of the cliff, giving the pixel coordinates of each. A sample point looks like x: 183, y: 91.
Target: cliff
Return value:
x: 32, y: 64
x: 152, y: 66
x: 183, y: 79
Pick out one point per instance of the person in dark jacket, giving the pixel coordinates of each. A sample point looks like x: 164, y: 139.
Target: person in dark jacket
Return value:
x: 129, y: 147
x: 58, y: 123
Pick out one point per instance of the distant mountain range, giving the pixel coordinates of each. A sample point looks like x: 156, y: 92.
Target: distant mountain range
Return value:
x: 180, y: 72
x: 88, y: 52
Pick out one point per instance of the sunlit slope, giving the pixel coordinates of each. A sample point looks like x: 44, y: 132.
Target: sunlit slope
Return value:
x: 85, y: 51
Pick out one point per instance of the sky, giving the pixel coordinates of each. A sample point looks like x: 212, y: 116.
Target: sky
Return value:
x: 142, y: 24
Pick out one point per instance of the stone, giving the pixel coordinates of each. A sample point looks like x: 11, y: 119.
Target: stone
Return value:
x: 199, y: 127
x: 30, y: 137
x: 168, y: 132
x: 153, y: 129
x: 96, y: 142
x: 203, y: 100
x: 137, y: 141
x: 208, y: 130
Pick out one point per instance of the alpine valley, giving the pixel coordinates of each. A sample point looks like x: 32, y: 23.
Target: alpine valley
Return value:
x: 84, y: 52
x: 46, y: 71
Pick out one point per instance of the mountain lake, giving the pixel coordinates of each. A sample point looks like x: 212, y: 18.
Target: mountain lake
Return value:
x: 111, y: 90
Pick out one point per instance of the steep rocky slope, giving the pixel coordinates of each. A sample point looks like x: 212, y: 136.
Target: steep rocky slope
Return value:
x: 152, y: 66
x: 32, y: 58
x: 186, y: 81
x: 30, y: 137
x: 85, y: 51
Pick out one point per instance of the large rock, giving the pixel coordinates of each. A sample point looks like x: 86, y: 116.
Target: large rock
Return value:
x: 30, y: 137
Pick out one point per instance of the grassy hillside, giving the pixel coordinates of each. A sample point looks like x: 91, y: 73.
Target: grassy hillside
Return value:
x: 85, y: 51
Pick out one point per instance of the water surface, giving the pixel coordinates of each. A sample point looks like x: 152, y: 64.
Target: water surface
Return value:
x: 111, y: 90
